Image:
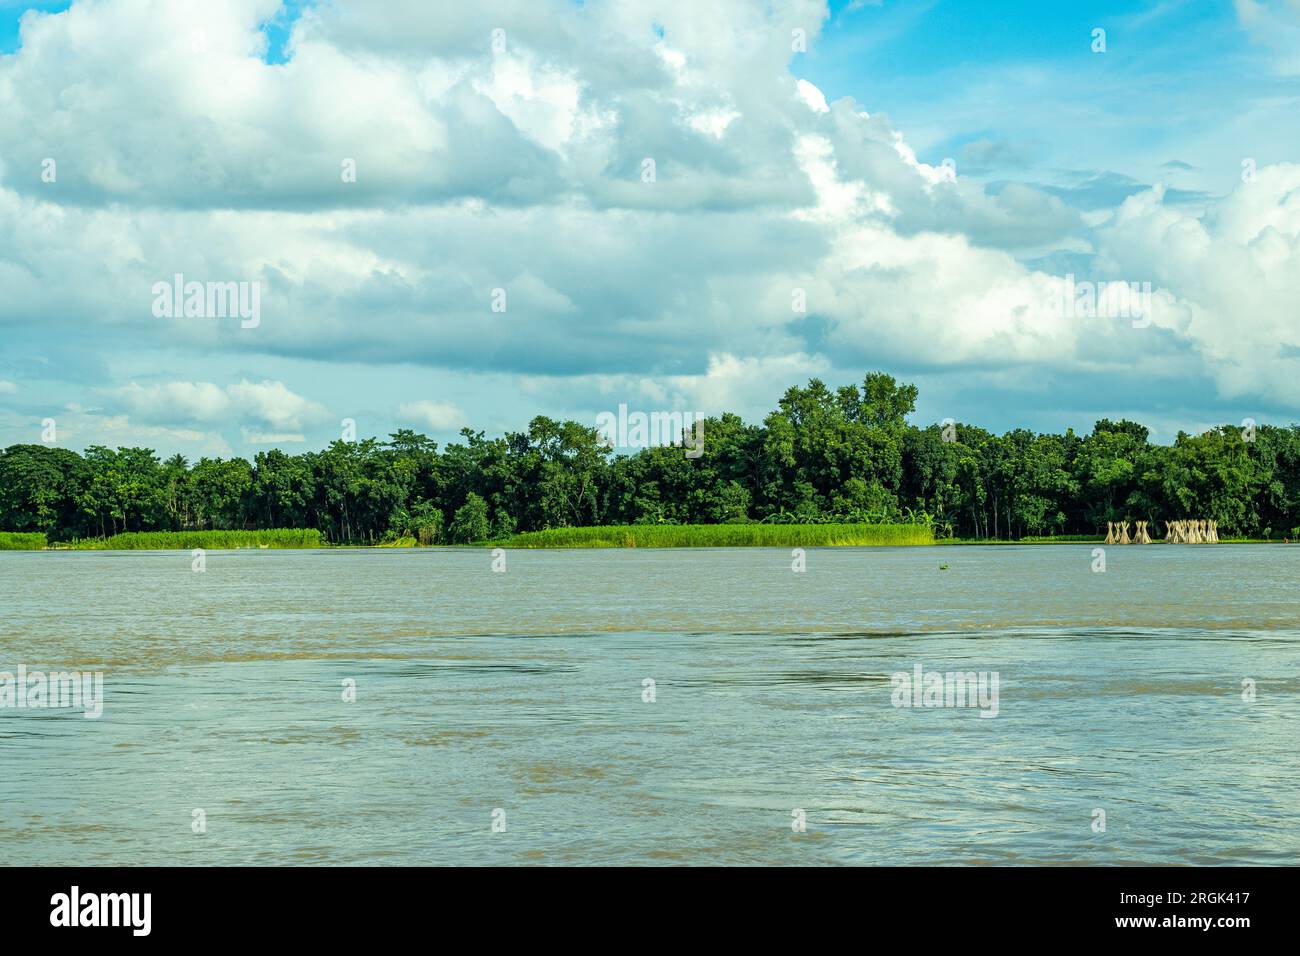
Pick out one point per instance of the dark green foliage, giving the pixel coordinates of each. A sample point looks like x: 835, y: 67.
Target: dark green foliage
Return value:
x: 426, y: 522
x: 845, y: 455
x: 471, y: 521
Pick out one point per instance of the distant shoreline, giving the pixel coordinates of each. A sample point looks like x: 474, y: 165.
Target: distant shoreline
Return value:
x: 752, y: 535
x: 609, y: 536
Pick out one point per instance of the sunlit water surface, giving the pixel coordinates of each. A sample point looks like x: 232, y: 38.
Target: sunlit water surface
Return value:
x: 525, y: 691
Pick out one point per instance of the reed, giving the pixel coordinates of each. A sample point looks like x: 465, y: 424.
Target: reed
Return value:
x: 726, y: 536
x: 208, y: 540
x: 21, y: 541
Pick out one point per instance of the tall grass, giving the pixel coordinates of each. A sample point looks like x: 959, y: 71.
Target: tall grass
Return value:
x: 725, y: 536
x: 209, y: 540
x: 21, y: 541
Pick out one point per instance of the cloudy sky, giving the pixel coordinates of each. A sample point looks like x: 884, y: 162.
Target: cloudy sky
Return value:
x: 684, y: 205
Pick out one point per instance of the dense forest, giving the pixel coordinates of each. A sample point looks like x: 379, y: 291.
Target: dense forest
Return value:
x: 847, y: 454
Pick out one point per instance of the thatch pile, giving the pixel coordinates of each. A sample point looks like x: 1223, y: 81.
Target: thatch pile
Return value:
x: 1176, y: 532
x: 1192, y: 532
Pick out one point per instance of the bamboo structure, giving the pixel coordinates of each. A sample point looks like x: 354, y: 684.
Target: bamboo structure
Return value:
x: 1190, y: 531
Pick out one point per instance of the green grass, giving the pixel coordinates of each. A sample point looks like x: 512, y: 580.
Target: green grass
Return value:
x: 725, y: 536
x: 21, y: 541
x: 208, y: 540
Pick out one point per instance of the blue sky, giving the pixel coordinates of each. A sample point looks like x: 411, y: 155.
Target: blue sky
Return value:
x: 928, y: 177
x: 11, y: 12
x: 276, y: 28
x: 1023, y: 74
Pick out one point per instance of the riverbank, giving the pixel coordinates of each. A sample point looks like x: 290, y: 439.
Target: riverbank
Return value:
x: 607, y: 536
x: 1098, y: 540
x: 610, y: 536
x: 1063, y: 539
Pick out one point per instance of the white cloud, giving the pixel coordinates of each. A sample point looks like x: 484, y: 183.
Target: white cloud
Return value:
x: 255, y: 437
x: 1237, y: 267
x: 520, y: 170
x: 273, y: 403
x: 79, y: 427
x: 176, y: 401
x: 266, y: 402
x: 812, y: 97
x: 435, y: 416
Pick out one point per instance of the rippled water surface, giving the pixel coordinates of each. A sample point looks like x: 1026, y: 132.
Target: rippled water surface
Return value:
x: 523, y: 691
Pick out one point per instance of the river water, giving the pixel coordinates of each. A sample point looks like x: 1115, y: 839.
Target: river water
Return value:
x: 675, y: 706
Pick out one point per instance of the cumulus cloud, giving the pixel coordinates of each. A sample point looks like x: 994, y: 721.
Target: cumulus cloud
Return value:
x: 267, y: 403
x: 1238, y: 270
x: 729, y: 383
x: 435, y: 416
x: 76, y: 426
x: 518, y: 162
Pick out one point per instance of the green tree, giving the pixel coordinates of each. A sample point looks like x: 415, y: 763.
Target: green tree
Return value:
x: 470, y: 522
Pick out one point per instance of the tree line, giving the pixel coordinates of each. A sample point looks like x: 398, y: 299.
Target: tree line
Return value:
x: 845, y: 454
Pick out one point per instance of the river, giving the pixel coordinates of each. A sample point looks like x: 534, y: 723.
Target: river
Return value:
x: 677, y: 707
